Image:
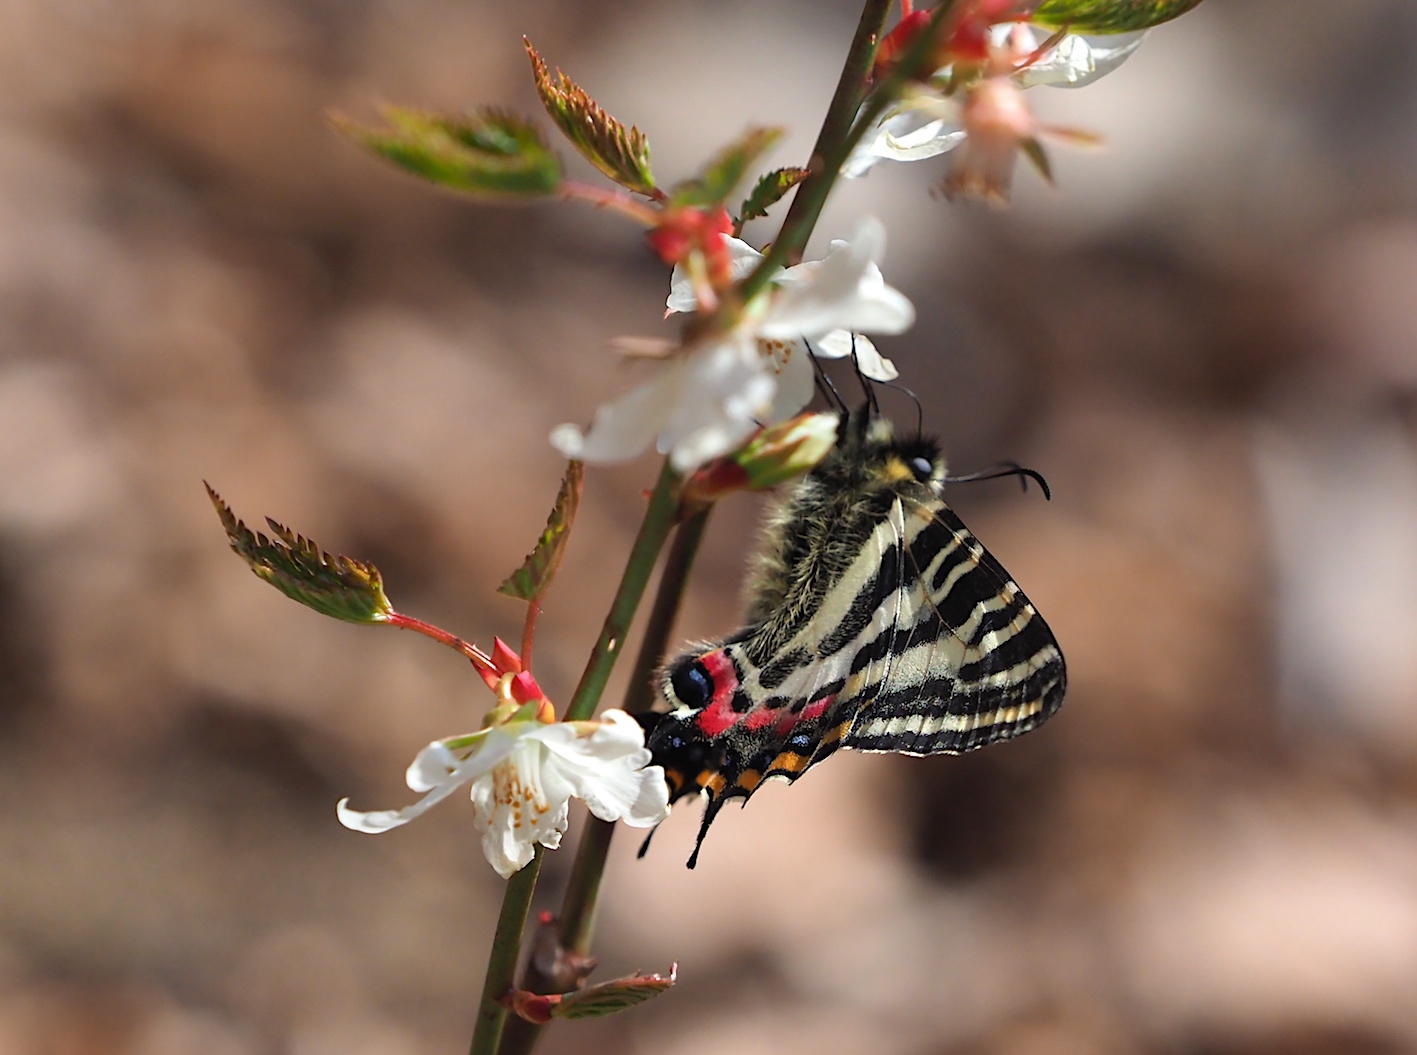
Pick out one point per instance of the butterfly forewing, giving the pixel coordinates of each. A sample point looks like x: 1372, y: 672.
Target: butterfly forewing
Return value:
x: 974, y: 662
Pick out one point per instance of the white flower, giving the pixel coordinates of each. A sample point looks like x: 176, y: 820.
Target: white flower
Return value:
x: 1077, y: 59
x: 920, y: 128
x: 523, y: 776
x: 707, y: 400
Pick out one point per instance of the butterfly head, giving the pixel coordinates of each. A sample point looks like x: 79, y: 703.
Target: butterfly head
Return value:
x: 869, y: 455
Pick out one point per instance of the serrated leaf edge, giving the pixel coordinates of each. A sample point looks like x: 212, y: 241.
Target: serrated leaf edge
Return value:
x: 619, y: 153
x: 542, y: 562
x: 247, y: 545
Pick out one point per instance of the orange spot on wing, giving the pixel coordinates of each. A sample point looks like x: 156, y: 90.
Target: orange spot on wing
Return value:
x: 788, y: 762
x: 749, y: 779
x: 836, y: 732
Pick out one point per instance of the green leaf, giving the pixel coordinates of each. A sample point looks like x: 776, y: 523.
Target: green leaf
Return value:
x: 768, y: 192
x: 622, y: 155
x: 532, y: 579
x: 1038, y: 156
x: 1108, y: 16
x: 488, y: 153
x: 341, y: 586
x: 726, y: 169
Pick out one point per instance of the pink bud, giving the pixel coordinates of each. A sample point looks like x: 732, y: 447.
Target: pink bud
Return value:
x: 504, y: 659
x: 773, y: 456
x: 525, y: 689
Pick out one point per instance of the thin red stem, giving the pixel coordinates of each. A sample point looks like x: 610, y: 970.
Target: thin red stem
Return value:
x: 479, y: 658
x: 533, y: 609
x: 614, y: 200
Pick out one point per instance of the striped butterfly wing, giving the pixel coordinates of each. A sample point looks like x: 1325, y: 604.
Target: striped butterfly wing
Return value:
x: 972, y: 660
x: 925, y: 645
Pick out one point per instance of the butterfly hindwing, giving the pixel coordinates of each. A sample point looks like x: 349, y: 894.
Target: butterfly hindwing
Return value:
x: 747, y: 722
x: 880, y: 624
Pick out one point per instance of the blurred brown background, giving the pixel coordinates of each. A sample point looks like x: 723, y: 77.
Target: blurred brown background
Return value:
x: 1206, y: 338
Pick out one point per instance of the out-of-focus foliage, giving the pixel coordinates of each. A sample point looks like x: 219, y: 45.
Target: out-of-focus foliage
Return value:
x: 726, y: 169
x: 1109, y: 16
x: 488, y: 154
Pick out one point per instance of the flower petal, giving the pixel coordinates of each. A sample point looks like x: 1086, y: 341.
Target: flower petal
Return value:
x: 727, y: 388
x: 909, y: 135
x: 845, y: 291
x: 437, y: 771
x: 840, y: 343
x: 929, y: 140
x: 743, y: 259
x: 609, y: 770
x: 796, y: 379
x: 375, y: 821
x: 514, y: 809
x: 625, y: 427
x: 1077, y: 59
x: 431, y: 767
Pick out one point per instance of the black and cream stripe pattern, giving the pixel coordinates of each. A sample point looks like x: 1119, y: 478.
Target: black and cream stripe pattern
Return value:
x: 877, y: 622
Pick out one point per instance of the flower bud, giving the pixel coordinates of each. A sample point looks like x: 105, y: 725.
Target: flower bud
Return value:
x: 773, y: 456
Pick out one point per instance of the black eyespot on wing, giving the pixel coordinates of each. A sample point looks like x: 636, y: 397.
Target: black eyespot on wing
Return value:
x: 921, y: 468
x: 692, y: 685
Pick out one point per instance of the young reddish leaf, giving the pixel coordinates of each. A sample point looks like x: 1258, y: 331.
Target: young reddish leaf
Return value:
x: 532, y: 1007
x: 726, y: 169
x: 622, y: 155
x: 1109, y: 16
x: 768, y: 192
x: 341, y: 586
x: 607, y: 998
x: 531, y: 580
x: 488, y: 153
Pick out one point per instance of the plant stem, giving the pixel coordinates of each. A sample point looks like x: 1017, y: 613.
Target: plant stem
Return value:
x: 502, y: 962
x: 850, y: 89
x: 578, y: 907
x: 533, y: 609
x: 654, y: 529
x: 612, y: 200
x: 479, y: 658
x: 516, y: 902
x: 830, y: 154
x: 583, y: 888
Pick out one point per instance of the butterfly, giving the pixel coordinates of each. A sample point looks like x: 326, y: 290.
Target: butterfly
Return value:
x: 876, y: 621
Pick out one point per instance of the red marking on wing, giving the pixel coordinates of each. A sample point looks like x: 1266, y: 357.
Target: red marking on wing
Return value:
x: 813, y: 710
x: 759, y: 718
x: 719, y: 715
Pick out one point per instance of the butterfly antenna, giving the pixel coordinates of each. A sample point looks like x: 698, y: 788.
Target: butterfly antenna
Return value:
x: 1005, y: 469
x: 919, y: 410
x: 824, y: 384
x: 866, y: 386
